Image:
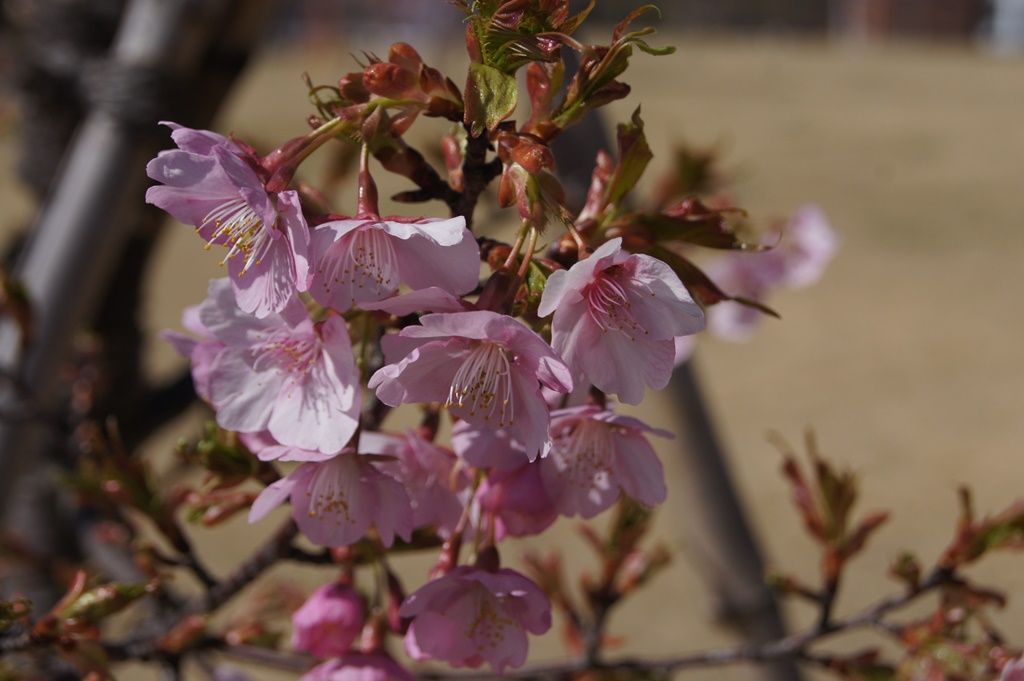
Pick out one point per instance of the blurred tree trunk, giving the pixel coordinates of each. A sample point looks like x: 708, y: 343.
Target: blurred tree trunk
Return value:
x: 83, y: 263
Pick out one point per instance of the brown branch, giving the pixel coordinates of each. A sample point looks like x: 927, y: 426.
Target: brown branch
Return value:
x: 278, y: 547
x: 477, y: 174
x: 796, y: 646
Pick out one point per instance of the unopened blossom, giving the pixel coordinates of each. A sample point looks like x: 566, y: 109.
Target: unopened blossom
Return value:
x: 356, y: 666
x: 282, y: 373
x: 335, y: 502
x: 596, y: 456
x: 487, y: 368
x: 211, y: 182
x: 471, y: 616
x: 364, y: 260
x: 329, y: 621
x: 427, y: 472
x: 616, y: 316
x: 805, y: 247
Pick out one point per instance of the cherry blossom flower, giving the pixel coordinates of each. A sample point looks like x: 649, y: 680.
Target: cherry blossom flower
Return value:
x: 335, y: 502
x: 365, y: 259
x: 487, y: 368
x: 210, y: 182
x: 807, y: 246
x: 615, y: 317
x: 516, y: 501
x: 427, y: 472
x: 471, y: 616
x: 329, y: 621
x: 282, y: 373
x: 597, y: 455
x: 355, y: 666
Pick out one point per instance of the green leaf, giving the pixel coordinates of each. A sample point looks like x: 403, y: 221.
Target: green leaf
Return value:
x: 634, y: 155
x: 536, y: 280
x: 490, y: 97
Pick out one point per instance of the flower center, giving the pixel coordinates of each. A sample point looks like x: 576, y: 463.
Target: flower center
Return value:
x: 368, y: 261
x: 328, y: 491
x: 487, y: 628
x: 584, y: 451
x: 241, y: 229
x: 609, y: 304
x: 293, y: 353
x: 483, y: 383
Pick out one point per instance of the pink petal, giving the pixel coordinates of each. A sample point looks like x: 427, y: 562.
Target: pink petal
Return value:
x: 320, y: 411
x: 296, y: 231
x: 271, y: 497
x: 662, y: 305
x: 443, y: 231
x: 454, y: 268
x: 638, y: 470
x: 197, y: 141
x: 268, y: 285
x: 429, y: 299
x: 242, y: 396
x: 425, y: 375
x: 394, y: 515
x: 623, y: 366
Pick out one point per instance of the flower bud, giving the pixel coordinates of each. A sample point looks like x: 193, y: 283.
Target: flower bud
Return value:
x: 329, y: 621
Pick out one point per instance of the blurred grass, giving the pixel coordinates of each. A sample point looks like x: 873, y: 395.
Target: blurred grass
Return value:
x: 905, y: 359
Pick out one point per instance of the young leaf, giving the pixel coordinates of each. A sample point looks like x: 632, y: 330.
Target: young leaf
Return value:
x: 490, y: 97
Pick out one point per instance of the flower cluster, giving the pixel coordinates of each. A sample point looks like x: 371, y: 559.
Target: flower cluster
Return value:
x: 283, y: 349
x: 327, y: 322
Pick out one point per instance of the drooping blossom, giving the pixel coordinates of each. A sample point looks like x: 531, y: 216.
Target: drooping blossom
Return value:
x: 363, y: 260
x: 335, y: 502
x: 807, y: 245
x: 512, y: 496
x: 596, y: 456
x: 427, y: 472
x: 211, y: 182
x: 356, y: 666
x: 616, y: 315
x: 516, y: 501
x: 471, y: 616
x: 283, y: 373
x: 487, y: 368
x: 329, y: 621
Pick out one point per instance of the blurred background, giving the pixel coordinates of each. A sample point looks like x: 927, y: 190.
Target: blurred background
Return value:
x: 902, y: 119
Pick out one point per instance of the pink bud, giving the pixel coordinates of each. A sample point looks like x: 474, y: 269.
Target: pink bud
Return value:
x: 329, y: 621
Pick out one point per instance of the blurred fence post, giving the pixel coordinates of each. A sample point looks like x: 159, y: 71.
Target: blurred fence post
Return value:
x: 728, y: 549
